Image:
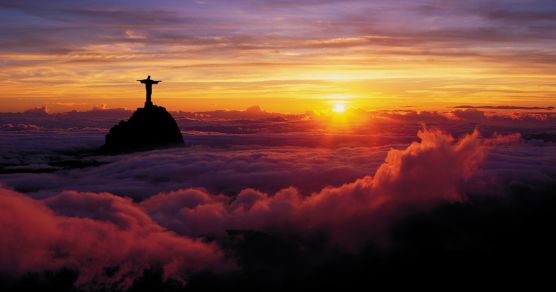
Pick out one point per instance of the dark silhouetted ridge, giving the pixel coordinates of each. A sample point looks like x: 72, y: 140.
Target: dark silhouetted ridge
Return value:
x: 149, y: 127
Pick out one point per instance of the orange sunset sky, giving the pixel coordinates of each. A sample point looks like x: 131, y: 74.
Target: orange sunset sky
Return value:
x: 285, y: 56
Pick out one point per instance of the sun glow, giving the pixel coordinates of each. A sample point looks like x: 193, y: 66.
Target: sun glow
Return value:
x: 339, y: 108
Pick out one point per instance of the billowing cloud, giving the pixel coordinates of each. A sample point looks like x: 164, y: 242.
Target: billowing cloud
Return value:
x: 92, y: 233
x: 231, y: 150
x: 428, y: 172
x: 346, y: 194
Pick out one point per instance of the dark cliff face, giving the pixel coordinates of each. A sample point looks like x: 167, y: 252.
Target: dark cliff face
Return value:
x: 147, y: 128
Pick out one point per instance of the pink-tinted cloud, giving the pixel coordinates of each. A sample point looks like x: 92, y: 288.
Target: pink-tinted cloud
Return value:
x: 19, y: 127
x: 93, y: 232
x: 424, y: 174
x: 233, y: 150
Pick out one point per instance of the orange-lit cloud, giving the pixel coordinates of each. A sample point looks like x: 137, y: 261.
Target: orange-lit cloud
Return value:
x: 92, y: 233
x: 383, y: 53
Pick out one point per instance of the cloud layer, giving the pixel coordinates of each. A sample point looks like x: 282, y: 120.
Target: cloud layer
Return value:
x: 233, y: 150
x: 93, y: 233
x: 425, y: 173
x: 112, y: 219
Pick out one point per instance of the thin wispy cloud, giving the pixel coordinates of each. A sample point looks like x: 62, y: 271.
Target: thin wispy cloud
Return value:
x: 205, y: 43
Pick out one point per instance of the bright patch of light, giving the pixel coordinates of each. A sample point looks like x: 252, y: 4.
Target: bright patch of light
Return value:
x: 339, y: 108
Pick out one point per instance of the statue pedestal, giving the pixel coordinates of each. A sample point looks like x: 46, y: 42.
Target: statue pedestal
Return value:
x: 148, y: 104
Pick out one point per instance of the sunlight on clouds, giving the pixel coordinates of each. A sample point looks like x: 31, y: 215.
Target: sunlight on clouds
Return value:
x: 276, y: 54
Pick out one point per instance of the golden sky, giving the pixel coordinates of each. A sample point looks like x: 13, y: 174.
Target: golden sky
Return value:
x: 286, y: 56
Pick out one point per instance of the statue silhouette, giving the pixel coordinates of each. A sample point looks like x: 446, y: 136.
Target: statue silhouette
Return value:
x: 149, y: 88
x: 149, y: 127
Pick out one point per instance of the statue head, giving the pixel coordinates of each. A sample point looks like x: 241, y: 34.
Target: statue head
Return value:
x: 149, y: 77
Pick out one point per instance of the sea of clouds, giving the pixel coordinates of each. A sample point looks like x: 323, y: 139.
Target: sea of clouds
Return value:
x: 65, y: 206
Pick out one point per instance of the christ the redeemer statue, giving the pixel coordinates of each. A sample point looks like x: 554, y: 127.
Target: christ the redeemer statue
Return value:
x: 149, y: 87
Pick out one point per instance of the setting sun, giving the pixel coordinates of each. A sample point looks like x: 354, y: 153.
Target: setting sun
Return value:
x: 339, y: 108
x: 245, y: 145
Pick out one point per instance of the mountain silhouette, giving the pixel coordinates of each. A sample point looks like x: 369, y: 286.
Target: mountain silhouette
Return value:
x: 149, y: 127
